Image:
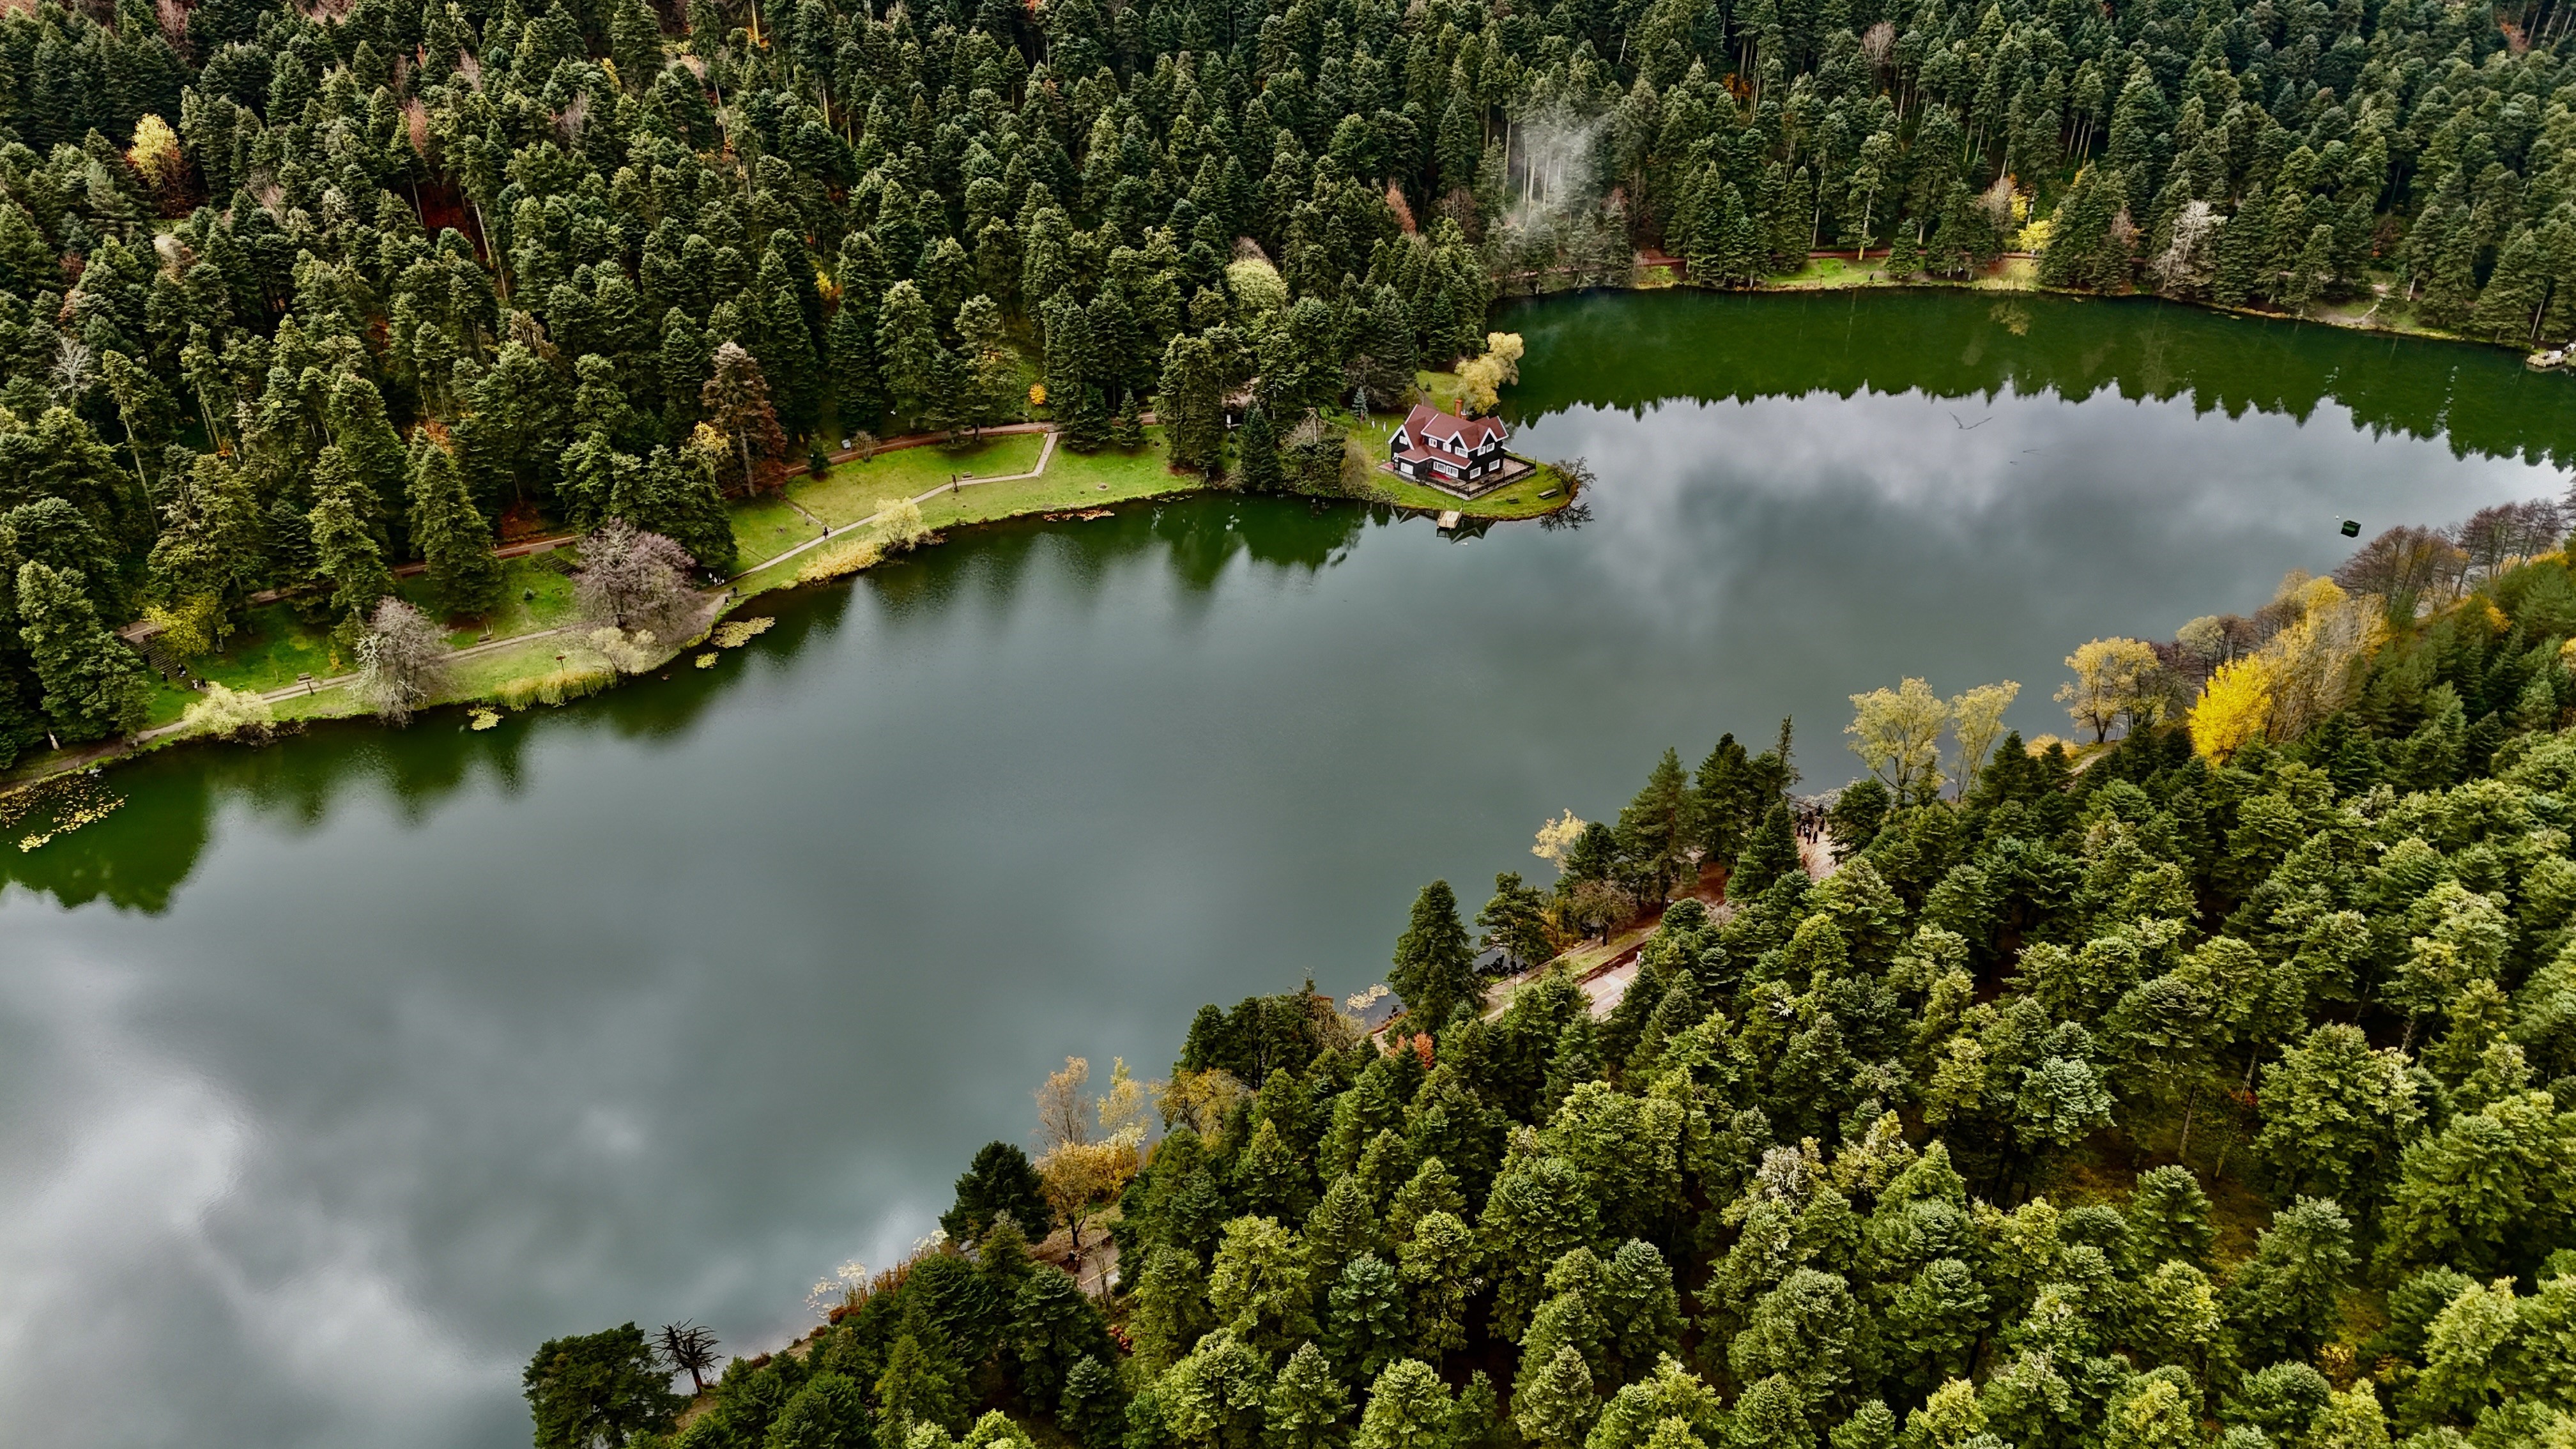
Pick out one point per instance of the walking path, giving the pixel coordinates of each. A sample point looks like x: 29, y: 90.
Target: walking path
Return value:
x: 1046, y: 453
x: 336, y: 681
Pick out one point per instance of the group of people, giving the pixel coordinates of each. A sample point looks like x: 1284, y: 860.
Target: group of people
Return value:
x: 1810, y: 821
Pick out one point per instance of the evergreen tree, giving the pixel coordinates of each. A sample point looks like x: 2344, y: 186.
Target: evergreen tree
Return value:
x: 1771, y: 854
x: 1127, y: 428
x: 344, y: 548
x: 93, y: 685
x: 999, y: 1181
x: 736, y: 403
x: 451, y: 534
x: 1364, y: 1322
x: 1514, y: 920
x: 909, y: 349
x: 1408, y: 1408
x: 1434, y: 966
x: 1554, y: 1404
x: 1307, y: 1402
x: 1259, y: 464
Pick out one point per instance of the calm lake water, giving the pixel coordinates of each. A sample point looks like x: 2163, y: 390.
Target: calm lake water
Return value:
x: 338, y: 1075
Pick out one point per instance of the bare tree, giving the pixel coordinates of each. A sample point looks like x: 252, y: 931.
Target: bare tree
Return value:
x: 2499, y: 537
x: 2188, y: 261
x: 71, y: 369
x: 634, y: 580
x: 402, y: 661
x: 2402, y: 563
x: 1064, y: 1113
x: 688, y: 1349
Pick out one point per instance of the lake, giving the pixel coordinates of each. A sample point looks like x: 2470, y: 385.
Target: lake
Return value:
x: 340, y: 1074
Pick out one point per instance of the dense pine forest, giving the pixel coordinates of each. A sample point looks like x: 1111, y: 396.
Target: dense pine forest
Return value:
x: 2213, y: 1087
x: 290, y: 295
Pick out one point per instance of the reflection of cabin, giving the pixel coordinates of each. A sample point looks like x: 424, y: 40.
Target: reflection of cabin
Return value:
x: 1453, y: 454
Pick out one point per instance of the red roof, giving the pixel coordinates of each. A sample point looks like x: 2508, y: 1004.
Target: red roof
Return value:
x: 1428, y: 433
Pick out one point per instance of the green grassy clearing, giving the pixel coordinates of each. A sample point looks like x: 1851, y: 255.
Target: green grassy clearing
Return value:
x: 275, y: 645
x: 1072, y: 480
x: 764, y: 528
x: 852, y: 491
x: 520, y: 613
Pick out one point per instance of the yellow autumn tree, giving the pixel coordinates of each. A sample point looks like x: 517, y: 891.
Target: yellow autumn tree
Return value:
x: 1485, y: 377
x: 2115, y: 679
x: 1556, y: 837
x: 1897, y: 733
x: 2234, y: 709
x: 1976, y: 722
x: 155, y: 157
x: 2313, y: 660
x: 1078, y: 1172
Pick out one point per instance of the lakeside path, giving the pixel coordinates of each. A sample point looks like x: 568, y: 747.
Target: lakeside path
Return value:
x: 1046, y: 454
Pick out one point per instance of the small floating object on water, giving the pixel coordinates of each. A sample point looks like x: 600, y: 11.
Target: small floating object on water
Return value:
x: 2548, y: 361
x: 1449, y: 519
x: 484, y: 719
x: 707, y: 660
x: 2352, y: 528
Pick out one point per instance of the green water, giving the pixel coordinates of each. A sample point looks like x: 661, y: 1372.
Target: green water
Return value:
x: 339, y: 1074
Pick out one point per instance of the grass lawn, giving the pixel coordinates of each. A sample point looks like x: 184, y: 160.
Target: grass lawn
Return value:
x: 274, y: 645
x: 474, y: 678
x: 484, y: 673
x: 764, y: 528
x: 519, y: 613
x: 266, y: 653
x: 852, y: 491
x: 1072, y: 480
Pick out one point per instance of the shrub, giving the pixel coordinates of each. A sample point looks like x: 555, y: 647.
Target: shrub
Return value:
x: 561, y: 686
x: 845, y: 557
x: 229, y: 714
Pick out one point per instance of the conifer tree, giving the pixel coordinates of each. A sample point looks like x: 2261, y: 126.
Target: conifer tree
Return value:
x: 93, y: 685
x: 344, y: 548
x: 451, y: 533
x: 1434, y: 967
x: 1771, y: 854
x: 1259, y: 461
x: 1408, y: 1408
x: 908, y: 346
x: 736, y: 402
x: 1191, y: 409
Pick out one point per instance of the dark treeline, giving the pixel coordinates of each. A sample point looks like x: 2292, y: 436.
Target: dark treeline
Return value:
x: 289, y: 295
x: 2169, y: 1101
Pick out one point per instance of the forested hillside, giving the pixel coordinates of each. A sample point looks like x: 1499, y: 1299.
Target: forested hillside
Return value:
x: 2216, y: 1091
x: 292, y: 294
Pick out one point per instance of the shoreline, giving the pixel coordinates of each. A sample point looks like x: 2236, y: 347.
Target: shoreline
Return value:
x: 2015, y: 273
x: 1827, y: 272
x: 727, y: 600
